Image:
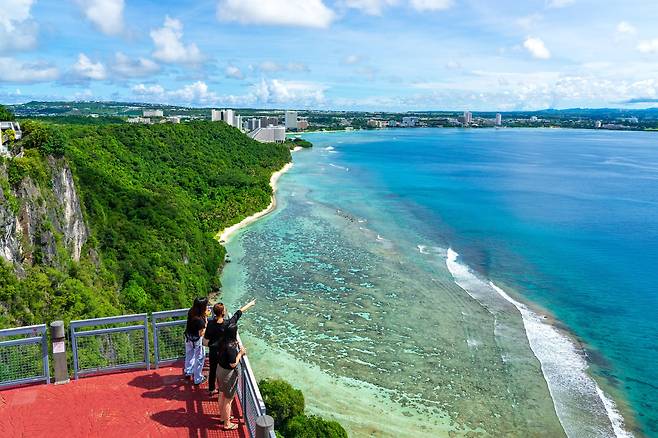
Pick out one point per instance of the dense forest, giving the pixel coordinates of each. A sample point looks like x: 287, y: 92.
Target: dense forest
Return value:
x: 153, y: 198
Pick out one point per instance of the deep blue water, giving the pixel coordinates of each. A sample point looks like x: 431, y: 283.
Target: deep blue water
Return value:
x: 566, y: 219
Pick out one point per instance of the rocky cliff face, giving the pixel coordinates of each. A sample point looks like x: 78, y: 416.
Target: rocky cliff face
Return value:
x: 41, y: 223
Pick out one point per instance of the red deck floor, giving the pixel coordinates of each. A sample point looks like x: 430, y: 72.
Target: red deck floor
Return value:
x: 155, y: 403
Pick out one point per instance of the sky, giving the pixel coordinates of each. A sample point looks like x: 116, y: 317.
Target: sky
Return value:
x: 388, y: 55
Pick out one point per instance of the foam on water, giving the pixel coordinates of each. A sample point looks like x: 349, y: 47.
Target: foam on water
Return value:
x: 576, y: 396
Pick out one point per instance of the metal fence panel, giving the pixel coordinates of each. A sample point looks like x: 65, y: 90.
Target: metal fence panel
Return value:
x: 110, y: 344
x: 24, y: 355
x: 168, y: 340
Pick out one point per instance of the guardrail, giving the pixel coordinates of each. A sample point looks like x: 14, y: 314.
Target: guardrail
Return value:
x: 116, y: 346
x: 168, y: 343
x: 250, y: 398
x: 24, y: 359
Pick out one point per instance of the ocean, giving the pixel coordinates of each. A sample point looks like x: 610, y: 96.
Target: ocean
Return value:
x: 440, y: 282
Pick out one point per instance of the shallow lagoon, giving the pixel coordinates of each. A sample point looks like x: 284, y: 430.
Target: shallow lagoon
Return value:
x: 353, y: 286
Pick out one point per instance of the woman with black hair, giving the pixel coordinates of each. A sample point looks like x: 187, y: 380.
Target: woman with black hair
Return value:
x: 195, y: 356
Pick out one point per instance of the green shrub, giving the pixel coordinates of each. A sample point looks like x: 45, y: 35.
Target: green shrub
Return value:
x: 311, y: 426
x: 282, y: 401
x: 6, y: 115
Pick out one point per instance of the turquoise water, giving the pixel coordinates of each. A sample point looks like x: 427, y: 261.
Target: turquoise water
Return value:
x: 400, y: 259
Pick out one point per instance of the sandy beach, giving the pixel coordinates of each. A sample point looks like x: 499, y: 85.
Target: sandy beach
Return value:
x: 226, y: 233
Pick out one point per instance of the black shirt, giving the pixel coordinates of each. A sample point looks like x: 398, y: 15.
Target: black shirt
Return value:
x: 228, y: 356
x: 193, y: 327
x: 216, y: 332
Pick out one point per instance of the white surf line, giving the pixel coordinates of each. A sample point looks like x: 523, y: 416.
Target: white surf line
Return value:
x: 228, y: 232
x: 563, y: 367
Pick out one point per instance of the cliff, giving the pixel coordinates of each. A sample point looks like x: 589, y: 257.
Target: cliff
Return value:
x: 41, y: 222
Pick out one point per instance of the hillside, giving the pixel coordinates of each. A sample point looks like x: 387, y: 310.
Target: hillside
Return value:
x: 125, y: 219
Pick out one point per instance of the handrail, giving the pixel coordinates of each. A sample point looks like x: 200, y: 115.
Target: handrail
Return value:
x: 37, y: 335
x: 75, y: 334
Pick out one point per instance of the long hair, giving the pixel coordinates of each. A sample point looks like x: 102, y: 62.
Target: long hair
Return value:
x: 198, y: 308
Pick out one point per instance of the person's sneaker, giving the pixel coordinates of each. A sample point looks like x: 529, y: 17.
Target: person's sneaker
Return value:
x: 202, y: 381
x: 187, y: 376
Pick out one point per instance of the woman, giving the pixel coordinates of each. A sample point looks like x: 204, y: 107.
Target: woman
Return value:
x: 227, y: 374
x: 194, y: 330
x: 215, y: 337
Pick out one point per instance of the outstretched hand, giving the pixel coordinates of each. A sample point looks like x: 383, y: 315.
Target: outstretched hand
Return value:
x: 249, y: 305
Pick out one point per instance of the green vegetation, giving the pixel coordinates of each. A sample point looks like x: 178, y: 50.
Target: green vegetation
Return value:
x: 153, y: 197
x: 298, y: 141
x: 286, y: 405
x: 6, y: 115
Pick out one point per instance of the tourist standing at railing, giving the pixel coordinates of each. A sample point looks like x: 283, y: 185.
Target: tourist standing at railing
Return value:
x: 215, y: 337
x: 230, y: 354
x: 195, y: 356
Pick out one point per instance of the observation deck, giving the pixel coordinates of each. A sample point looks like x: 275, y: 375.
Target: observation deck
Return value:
x: 125, y: 381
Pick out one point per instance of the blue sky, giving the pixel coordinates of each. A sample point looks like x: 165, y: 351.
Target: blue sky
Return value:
x: 333, y: 54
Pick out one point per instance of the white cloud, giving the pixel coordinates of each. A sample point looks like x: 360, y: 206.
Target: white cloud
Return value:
x: 648, y: 46
x: 128, y: 68
x: 234, y: 72
x: 17, y: 29
x: 85, y: 68
x: 376, y: 7
x: 169, y: 46
x: 148, y: 90
x: 453, y: 65
x: 271, y: 66
x: 282, y: 92
x: 559, y: 3
x: 537, y: 48
x: 371, y: 7
x: 431, y: 5
x: 107, y: 15
x: 625, y: 28
x: 194, y: 93
x: 13, y: 70
x: 529, y: 21
x: 353, y: 59
x: 304, y: 13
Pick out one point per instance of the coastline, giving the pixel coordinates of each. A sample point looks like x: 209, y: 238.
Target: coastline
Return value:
x: 224, y: 236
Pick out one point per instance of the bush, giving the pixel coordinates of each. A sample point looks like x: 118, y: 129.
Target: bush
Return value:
x: 6, y: 115
x: 282, y: 401
x: 311, y: 426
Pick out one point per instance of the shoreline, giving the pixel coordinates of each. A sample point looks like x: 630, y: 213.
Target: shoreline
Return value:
x: 225, y: 235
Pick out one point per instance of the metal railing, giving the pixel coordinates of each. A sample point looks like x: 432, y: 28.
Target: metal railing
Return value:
x: 168, y: 328
x: 24, y: 357
x: 113, y: 346
x: 250, y: 398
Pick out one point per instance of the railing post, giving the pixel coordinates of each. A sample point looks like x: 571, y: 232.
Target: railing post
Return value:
x: 156, y: 349
x: 44, y: 355
x: 264, y: 426
x: 74, y: 348
x: 147, y: 356
x: 58, y: 337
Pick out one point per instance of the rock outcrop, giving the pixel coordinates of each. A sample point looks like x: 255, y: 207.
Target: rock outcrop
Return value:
x: 41, y: 223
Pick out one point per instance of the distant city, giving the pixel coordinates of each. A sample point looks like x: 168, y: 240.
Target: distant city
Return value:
x: 274, y: 125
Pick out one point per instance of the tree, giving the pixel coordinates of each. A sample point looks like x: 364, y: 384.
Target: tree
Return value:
x: 6, y: 115
x: 283, y: 402
x: 311, y: 426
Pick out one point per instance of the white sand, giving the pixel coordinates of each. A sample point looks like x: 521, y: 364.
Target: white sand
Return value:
x: 226, y: 234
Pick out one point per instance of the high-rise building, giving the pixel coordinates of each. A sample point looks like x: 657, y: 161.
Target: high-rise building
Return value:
x: 216, y: 115
x: 409, y: 122
x: 266, y: 121
x: 291, y: 119
x: 228, y: 117
x: 468, y: 117
x: 237, y: 121
x: 499, y: 119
